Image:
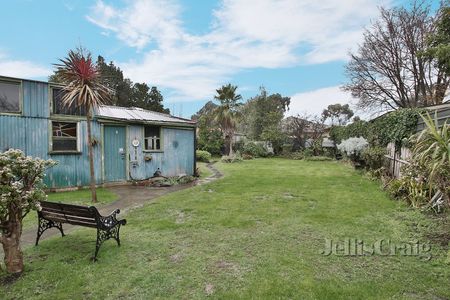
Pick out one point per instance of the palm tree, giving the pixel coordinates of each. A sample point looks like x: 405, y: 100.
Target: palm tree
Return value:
x: 227, y: 112
x: 83, y: 87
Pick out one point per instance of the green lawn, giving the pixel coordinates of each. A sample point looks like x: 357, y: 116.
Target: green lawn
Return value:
x: 204, y: 171
x: 80, y: 197
x: 256, y: 233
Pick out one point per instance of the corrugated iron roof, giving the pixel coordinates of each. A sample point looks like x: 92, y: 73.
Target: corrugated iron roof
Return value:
x: 137, y: 114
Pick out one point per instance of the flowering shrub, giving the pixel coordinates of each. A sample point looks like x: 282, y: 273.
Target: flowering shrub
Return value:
x: 21, y: 189
x: 353, y: 147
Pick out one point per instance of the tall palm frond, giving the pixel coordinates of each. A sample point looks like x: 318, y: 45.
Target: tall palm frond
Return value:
x: 83, y: 85
x: 227, y: 112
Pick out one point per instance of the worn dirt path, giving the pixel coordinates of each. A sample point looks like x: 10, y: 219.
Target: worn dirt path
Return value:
x: 129, y: 197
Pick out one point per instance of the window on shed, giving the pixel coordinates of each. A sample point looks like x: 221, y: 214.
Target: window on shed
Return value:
x: 64, y: 136
x: 152, y: 137
x: 60, y: 109
x: 9, y: 97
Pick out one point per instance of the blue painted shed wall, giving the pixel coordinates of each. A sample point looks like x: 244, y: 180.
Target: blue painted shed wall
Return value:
x: 176, y: 157
x: 29, y: 132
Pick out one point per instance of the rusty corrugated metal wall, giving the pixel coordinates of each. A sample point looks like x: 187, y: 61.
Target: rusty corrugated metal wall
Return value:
x: 30, y: 132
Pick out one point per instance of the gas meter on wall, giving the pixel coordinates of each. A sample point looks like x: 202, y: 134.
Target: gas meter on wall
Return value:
x: 135, y: 143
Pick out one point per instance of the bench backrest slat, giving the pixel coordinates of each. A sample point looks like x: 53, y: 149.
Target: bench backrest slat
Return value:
x: 57, y: 215
x: 69, y: 213
x: 74, y: 212
x: 70, y: 220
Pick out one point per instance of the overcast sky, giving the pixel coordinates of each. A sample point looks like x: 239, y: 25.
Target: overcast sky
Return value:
x: 297, y: 48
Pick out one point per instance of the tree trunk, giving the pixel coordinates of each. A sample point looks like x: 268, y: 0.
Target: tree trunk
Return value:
x: 91, y: 157
x: 231, y: 146
x: 11, y: 244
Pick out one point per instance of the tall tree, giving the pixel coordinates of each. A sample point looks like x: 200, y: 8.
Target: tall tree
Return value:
x: 263, y: 117
x: 438, y: 44
x: 83, y: 86
x: 387, y: 71
x: 126, y: 93
x: 337, y: 113
x: 227, y: 112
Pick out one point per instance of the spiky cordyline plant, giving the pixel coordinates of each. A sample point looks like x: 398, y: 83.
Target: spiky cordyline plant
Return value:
x: 83, y: 86
x: 432, y: 151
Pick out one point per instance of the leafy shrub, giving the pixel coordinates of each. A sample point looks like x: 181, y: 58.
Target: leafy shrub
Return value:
x: 373, y: 157
x: 255, y: 149
x: 307, y: 152
x: 247, y: 156
x: 396, y: 126
x: 286, y: 149
x: 353, y: 147
x: 202, y: 155
x: 298, y: 155
x: 431, y: 157
x: 318, y: 158
x: 396, y: 189
x: 236, y: 157
x: 210, y: 140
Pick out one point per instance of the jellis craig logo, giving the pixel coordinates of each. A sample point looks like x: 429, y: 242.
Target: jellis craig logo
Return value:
x: 381, y: 247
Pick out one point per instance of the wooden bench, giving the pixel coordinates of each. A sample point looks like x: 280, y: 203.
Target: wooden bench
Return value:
x: 54, y: 214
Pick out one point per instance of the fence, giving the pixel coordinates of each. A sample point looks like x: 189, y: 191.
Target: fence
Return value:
x: 397, y: 159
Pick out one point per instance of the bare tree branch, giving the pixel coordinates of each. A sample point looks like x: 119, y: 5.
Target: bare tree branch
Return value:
x: 388, y: 71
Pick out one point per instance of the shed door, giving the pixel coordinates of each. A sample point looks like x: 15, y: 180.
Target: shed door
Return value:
x: 114, y: 153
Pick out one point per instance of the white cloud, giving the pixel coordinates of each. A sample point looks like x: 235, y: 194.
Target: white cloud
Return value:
x: 314, y: 102
x: 244, y: 35
x: 21, y: 68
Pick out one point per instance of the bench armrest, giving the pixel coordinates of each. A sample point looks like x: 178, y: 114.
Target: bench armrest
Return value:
x: 110, y: 221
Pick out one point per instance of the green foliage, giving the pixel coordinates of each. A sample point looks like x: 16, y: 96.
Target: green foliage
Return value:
x: 396, y: 127
x: 227, y: 113
x: 296, y: 155
x: 356, y: 129
x: 255, y: 149
x: 425, y: 181
x: 439, y: 42
x: 247, y: 156
x: 411, y: 187
x: 209, y: 139
x: 234, y: 158
x: 318, y: 158
x: 431, y: 153
x: 275, y: 136
x: 263, y: 115
x: 373, y: 157
x: 308, y: 152
x: 203, y: 156
x: 125, y: 92
x: 338, y: 114
x: 21, y: 184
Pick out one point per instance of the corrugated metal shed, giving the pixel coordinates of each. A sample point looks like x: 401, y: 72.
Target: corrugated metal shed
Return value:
x: 137, y: 114
x: 31, y: 131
